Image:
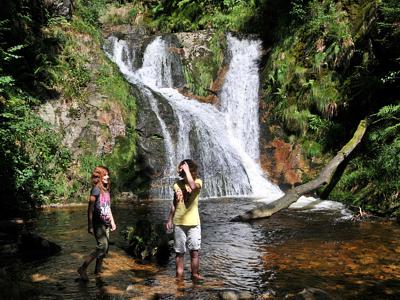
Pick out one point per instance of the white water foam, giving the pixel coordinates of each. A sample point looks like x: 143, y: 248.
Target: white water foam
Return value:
x: 225, y: 142
x: 315, y: 204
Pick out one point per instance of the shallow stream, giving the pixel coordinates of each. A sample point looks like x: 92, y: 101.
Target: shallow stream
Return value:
x: 272, y: 258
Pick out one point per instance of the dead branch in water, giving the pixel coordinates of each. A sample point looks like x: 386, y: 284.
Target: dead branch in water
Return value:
x: 326, y: 179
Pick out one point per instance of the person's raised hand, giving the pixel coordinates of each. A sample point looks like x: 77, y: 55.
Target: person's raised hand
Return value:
x: 185, y: 167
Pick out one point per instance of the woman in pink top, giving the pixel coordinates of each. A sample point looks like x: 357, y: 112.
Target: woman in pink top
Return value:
x: 100, y: 219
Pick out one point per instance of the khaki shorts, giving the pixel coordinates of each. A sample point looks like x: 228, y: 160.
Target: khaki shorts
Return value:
x: 187, y: 236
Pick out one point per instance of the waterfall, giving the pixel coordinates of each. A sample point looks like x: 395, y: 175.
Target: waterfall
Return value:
x: 224, y: 141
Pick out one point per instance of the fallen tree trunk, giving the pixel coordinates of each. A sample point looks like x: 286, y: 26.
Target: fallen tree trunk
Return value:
x: 326, y: 179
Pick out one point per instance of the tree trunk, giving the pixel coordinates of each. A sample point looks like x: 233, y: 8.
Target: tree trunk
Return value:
x: 327, y: 179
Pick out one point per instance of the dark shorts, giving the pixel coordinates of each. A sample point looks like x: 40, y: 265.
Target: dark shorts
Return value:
x: 102, y: 235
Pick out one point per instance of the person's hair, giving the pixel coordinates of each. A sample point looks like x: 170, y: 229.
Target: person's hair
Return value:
x: 193, y: 167
x: 97, y: 178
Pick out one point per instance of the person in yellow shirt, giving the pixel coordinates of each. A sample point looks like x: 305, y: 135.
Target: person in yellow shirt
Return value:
x: 185, y: 219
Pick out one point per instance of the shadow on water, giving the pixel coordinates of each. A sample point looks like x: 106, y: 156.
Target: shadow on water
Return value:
x: 273, y: 258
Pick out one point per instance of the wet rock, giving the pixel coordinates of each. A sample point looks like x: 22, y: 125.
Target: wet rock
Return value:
x: 59, y: 8
x: 151, y: 282
x: 196, y: 51
x: 265, y: 296
x: 127, y: 197
x: 8, y: 249
x: 175, y: 49
x: 133, y: 291
x: 313, y: 294
x: 236, y: 295
x: 270, y: 294
x: 12, y: 225
x: 160, y: 296
x: 150, y: 135
x: 194, y: 43
x: 282, y: 161
x: 32, y: 246
x: 9, y: 231
x: 246, y: 295
x: 229, y: 295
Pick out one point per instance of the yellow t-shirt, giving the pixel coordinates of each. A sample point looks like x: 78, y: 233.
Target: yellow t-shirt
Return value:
x: 187, y: 212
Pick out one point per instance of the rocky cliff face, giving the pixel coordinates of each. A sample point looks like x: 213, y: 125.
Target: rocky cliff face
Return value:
x: 59, y: 8
x: 90, y: 127
x: 284, y: 162
x: 151, y: 145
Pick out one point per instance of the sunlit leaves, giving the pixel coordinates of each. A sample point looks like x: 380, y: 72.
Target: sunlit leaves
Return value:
x: 372, y: 177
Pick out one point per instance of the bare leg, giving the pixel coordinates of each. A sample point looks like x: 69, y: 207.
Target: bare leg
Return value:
x: 82, y: 269
x: 195, y: 264
x: 179, y: 259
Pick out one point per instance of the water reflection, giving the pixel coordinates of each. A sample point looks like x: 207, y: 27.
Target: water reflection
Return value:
x: 272, y: 258
x: 349, y: 260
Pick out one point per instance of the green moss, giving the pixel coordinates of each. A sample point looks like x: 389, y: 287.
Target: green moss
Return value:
x: 201, y: 72
x: 115, y: 88
x: 122, y: 162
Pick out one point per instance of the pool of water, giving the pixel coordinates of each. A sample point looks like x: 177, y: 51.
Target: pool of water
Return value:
x: 272, y: 258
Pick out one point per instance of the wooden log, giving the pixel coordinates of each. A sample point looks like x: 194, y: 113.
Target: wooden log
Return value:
x: 326, y: 179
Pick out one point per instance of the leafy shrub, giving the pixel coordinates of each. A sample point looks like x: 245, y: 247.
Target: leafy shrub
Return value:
x: 184, y: 15
x: 34, y: 163
x: 311, y: 149
x: 372, y: 177
x: 90, y: 10
x: 147, y: 240
x: 302, y: 78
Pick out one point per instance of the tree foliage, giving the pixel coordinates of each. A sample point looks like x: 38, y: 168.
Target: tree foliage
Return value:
x: 184, y: 15
x: 337, y: 65
x: 371, y: 180
x: 41, y: 57
x: 33, y: 163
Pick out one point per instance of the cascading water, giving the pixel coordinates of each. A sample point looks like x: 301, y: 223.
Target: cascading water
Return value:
x: 224, y: 142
